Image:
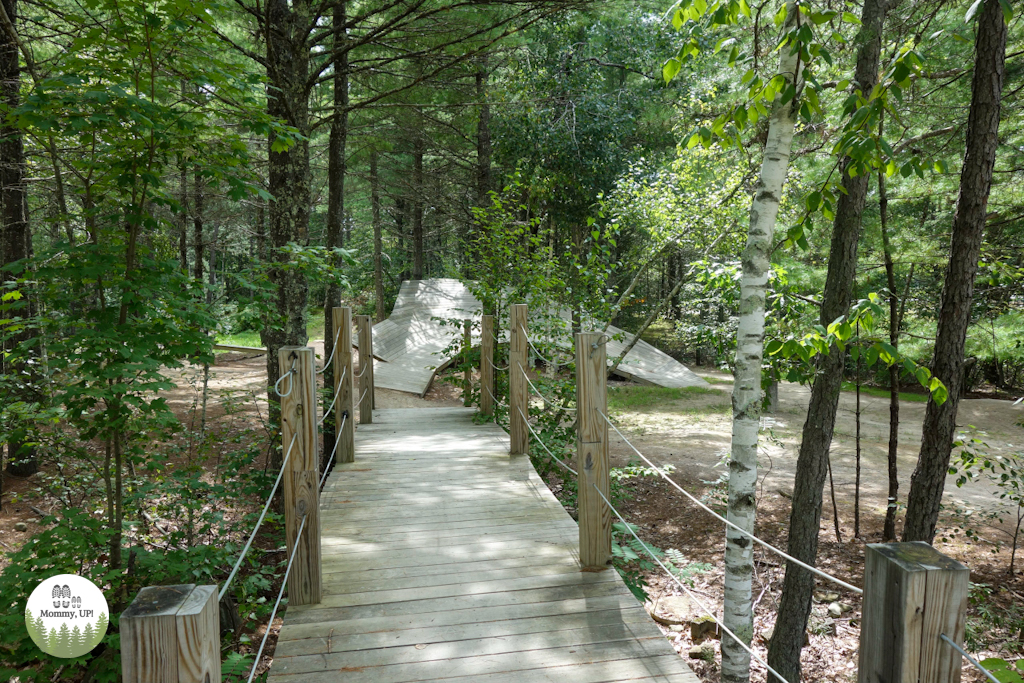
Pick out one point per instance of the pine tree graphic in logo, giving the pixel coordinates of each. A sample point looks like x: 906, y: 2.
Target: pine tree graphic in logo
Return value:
x: 66, y: 616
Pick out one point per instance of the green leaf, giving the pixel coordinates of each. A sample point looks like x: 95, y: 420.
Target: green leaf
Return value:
x: 813, y: 201
x: 1007, y: 10
x: 670, y: 69
x: 677, y: 19
x: 851, y: 18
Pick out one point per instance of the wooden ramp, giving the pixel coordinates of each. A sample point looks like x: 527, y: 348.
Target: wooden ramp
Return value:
x: 444, y: 559
x: 408, y: 346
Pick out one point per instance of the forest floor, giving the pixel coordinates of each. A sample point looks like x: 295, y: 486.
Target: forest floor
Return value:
x: 691, y: 431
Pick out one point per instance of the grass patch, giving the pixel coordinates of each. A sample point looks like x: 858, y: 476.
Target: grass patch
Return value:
x: 634, y: 397
x: 719, y: 380
x: 880, y: 392
x: 247, y: 338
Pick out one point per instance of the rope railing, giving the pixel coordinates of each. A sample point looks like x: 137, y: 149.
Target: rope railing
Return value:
x: 496, y: 400
x: 536, y: 351
x: 330, y: 460
x: 688, y: 592
x: 741, y: 530
x: 360, y: 401
x: 270, y: 498
x: 542, y: 396
x: 336, y: 395
x: 497, y: 367
x: 977, y: 665
x: 291, y: 385
x: 280, y: 594
x: 541, y: 442
x: 334, y: 348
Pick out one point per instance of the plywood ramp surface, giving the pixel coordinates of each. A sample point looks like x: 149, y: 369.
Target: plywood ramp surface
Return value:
x: 445, y: 559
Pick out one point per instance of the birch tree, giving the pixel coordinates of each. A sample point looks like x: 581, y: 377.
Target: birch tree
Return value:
x: 746, y: 396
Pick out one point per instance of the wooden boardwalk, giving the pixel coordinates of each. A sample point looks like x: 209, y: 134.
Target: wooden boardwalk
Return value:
x: 444, y: 558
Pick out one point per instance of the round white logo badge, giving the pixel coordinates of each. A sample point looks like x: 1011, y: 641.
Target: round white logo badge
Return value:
x: 66, y: 615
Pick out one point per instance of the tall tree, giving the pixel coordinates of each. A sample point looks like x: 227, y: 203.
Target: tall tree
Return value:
x: 813, y: 460
x: 16, y: 236
x: 929, y: 477
x: 746, y: 396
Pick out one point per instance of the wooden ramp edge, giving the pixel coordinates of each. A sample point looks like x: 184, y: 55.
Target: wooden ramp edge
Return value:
x: 445, y: 559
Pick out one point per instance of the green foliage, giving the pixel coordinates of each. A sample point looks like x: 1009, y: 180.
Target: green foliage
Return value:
x: 634, y: 397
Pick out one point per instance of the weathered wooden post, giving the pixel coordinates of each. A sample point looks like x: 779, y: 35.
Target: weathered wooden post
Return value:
x: 301, y: 480
x: 518, y: 406
x: 343, y: 386
x: 365, y: 369
x: 592, y: 452
x: 171, y: 634
x: 467, y: 374
x: 912, y: 595
x: 487, y: 365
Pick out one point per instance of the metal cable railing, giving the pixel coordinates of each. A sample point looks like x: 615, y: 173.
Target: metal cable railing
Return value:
x: 542, y: 396
x: 334, y: 348
x: 259, y: 521
x: 972, y: 660
x: 337, y: 440
x: 365, y: 392
x: 541, y: 442
x: 280, y: 594
x: 496, y: 401
x: 688, y: 592
x: 536, y: 351
x: 741, y: 530
x: 336, y: 395
x: 291, y: 385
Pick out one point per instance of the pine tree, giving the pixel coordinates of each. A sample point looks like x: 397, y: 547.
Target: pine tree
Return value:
x: 63, y: 648
x: 76, y: 644
x: 89, y: 639
x: 51, y: 641
x: 101, y: 628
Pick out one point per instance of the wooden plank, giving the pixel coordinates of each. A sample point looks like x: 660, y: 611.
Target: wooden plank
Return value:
x: 912, y: 594
x: 461, y: 632
x: 487, y: 365
x: 519, y: 408
x: 442, y: 560
x: 301, y: 481
x: 343, y: 386
x: 592, y: 464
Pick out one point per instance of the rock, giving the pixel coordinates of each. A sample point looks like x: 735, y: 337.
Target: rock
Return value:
x: 676, y: 627
x: 845, y: 607
x: 675, y: 609
x: 705, y: 652
x: 766, y: 635
x: 826, y: 597
x: 835, y: 610
x: 20, y: 526
x: 703, y: 627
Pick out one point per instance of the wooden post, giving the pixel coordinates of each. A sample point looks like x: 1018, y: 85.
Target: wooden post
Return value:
x: 467, y: 374
x: 365, y: 363
x: 301, y: 479
x: 487, y: 365
x: 171, y: 634
x: 344, y: 408
x: 595, y: 519
x: 518, y: 406
x: 912, y: 595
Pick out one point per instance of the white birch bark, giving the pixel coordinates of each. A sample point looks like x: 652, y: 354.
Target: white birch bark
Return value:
x: 746, y: 396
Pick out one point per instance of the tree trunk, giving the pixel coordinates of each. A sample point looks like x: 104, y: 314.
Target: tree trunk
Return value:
x: 889, y: 528
x: 212, y: 277
x: 199, y: 245
x: 813, y: 460
x: 288, y: 183
x: 183, y: 214
x: 16, y: 237
x: 417, y: 208
x: 378, y: 242
x: 261, y: 229
x: 746, y: 396
x: 483, y: 139
x: 337, y: 167
x: 929, y: 477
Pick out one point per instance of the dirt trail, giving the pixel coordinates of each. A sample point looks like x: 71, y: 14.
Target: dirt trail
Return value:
x: 694, y: 435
